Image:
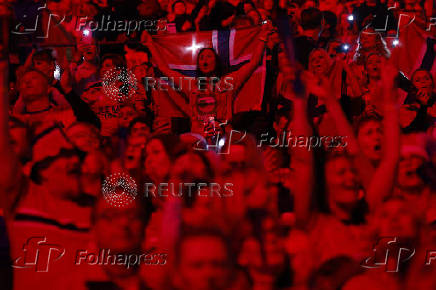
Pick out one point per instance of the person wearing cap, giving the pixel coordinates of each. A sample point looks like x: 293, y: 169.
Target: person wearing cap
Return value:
x: 42, y: 209
x: 410, y: 182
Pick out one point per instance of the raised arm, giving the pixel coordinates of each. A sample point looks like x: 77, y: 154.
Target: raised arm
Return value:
x: 382, y: 183
x: 362, y: 164
x: 335, y: 112
x: 302, y: 158
x: 244, y: 73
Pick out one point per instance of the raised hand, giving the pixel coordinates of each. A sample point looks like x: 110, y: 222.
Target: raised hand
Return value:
x: 388, y: 81
x: 146, y: 38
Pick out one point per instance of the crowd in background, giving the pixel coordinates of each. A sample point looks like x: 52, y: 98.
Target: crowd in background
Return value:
x: 295, y: 214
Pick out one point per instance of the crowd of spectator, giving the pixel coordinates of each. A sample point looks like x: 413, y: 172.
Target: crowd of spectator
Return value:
x: 340, y: 194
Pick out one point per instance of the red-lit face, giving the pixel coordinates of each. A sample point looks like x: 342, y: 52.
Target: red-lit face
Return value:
x: 163, y: 4
x: 369, y: 137
x: 236, y: 160
x: 422, y: 81
x: 33, y: 86
x: 408, y: 177
x: 373, y: 65
x: 127, y: 114
x: 273, y: 246
x: 149, y: 8
x: 139, y: 130
x: 395, y: 220
x: 206, y: 61
x: 188, y: 165
x: 47, y: 68
x: 342, y: 185
x: 89, y: 52
x: 236, y: 172
x: 118, y: 229
x: 202, y: 210
x: 318, y: 63
x: 135, y: 58
x: 141, y: 71
x: 368, y: 39
x: 83, y: 137
x: 179, y: 8
x: 106, y: 66
x: 203, y: 264
x: 157, y: 162
x: 92, y: 95
x: 132, y: 155
x: 292, y: 10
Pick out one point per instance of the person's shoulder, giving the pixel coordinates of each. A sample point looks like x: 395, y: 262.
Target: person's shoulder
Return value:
x: 64, y: 115
x: 15, y: 195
